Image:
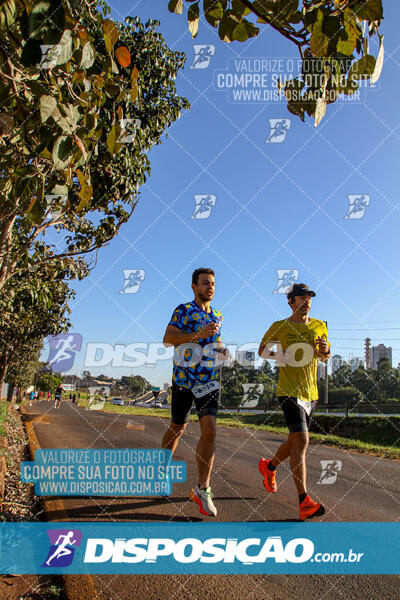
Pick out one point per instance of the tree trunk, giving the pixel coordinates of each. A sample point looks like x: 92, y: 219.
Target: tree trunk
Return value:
x: 10, y: 394
x: 5, y: 249
x: 3, y: 369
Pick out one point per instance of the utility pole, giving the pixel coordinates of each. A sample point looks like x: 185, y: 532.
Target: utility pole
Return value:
x: 326, y: 380
x: 377, y: 382
x: 220, y: 385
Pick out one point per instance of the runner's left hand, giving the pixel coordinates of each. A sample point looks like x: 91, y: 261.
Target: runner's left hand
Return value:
x: 322, y: 346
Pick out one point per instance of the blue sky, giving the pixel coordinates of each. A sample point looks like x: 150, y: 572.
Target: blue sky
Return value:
x: 277, y: 206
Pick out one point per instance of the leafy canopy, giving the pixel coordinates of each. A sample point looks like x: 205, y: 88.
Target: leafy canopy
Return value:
x: 330, y: 34
x: 83, y: 99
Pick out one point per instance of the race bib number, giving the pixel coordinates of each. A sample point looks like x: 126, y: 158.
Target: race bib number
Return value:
x: 308, y: 406
x: 206, y: 388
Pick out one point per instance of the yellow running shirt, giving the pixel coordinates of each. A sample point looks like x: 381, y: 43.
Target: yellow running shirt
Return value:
x: 298, y: 368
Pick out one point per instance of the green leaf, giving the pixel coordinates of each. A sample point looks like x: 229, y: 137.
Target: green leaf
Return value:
x: 65, y: 48
x: 349, y: 36
x: 48, y: 105
x: 8, y: 13
x: 331, y: 26
x: 310, y: 17
x: 87, y: 59
x: 66, y: 124
x: 226, y: 27
x: 296, y: 109
x: 111, y: 34
x: 379, y: 62
x: 213, y: 11
x: 372, y: 10
x: 85, y: 195
x: 112, y: 138
x: 239, y: 32
x: 113, y: 65
x: 319, y: 41
x: 175, y: 6
x: 244, y: 30
x: 193, y: 19
x: 62, y: 152
x: 37, y: 88
x: 36, y: 211
x: 239, y: 9
x: 363, y: 68
x: 60, y: 190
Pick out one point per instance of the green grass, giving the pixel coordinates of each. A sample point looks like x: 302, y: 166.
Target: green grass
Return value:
x: 365, y: 446
x: 3, y: 415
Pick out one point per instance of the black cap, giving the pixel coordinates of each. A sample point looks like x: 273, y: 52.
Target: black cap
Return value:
x: 299, y: 289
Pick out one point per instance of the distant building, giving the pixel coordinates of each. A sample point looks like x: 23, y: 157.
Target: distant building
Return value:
x: 355, y: 362
x: 68, y: 387
x: 367, y: 353
x: 379, y: 352
x: 246, y: 358
x: 336, y: 362
x: 320, y: 371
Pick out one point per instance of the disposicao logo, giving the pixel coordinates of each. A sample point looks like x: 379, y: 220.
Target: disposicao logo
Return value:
x: 62, y: 547
x: 190, y: 550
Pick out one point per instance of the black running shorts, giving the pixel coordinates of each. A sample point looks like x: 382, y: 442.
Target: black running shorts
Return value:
x: 182, y: 400
x: 296, y: 417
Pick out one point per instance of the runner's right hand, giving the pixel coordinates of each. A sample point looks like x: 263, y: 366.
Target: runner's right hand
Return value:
x: 208, y: 331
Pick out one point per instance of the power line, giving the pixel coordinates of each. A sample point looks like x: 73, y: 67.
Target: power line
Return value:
x: 357, y: 348
x: 363, y: 339
x: 360, y: 322
x: 366, y: 329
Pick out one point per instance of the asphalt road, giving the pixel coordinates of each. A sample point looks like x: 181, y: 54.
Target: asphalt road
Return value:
x: 367, y: 489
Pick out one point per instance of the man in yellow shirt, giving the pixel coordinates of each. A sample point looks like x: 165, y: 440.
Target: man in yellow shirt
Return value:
x: 300, y: 342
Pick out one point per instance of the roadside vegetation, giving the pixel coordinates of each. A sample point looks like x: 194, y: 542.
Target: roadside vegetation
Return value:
x: 373, y: 435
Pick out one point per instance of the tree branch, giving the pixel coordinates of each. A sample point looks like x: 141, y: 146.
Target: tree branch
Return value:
x: 281, y: 30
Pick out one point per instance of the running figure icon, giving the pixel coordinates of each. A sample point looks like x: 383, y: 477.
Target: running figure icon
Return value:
x: 357, y: 206
x: 279, y: 129
x: 62, y: 347
x: 285, y: 280
x: 62, y: 550
x: 203, y: 56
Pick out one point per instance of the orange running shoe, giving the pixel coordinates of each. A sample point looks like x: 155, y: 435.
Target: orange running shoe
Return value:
x: 310, y: 509
x: 269, y: 476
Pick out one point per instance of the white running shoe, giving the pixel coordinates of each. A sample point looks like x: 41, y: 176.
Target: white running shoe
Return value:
x: 204, y: 499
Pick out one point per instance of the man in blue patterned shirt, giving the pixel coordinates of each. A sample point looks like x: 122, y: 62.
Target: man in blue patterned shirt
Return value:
x: 194, y: 330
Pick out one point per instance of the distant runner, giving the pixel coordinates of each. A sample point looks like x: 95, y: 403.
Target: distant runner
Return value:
x: 194, y: 330
x: 57, y: 396
x: 301, y: 342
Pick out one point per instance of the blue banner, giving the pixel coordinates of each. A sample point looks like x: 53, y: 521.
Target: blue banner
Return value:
x: 200, y: 548
x: 110, y: 472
